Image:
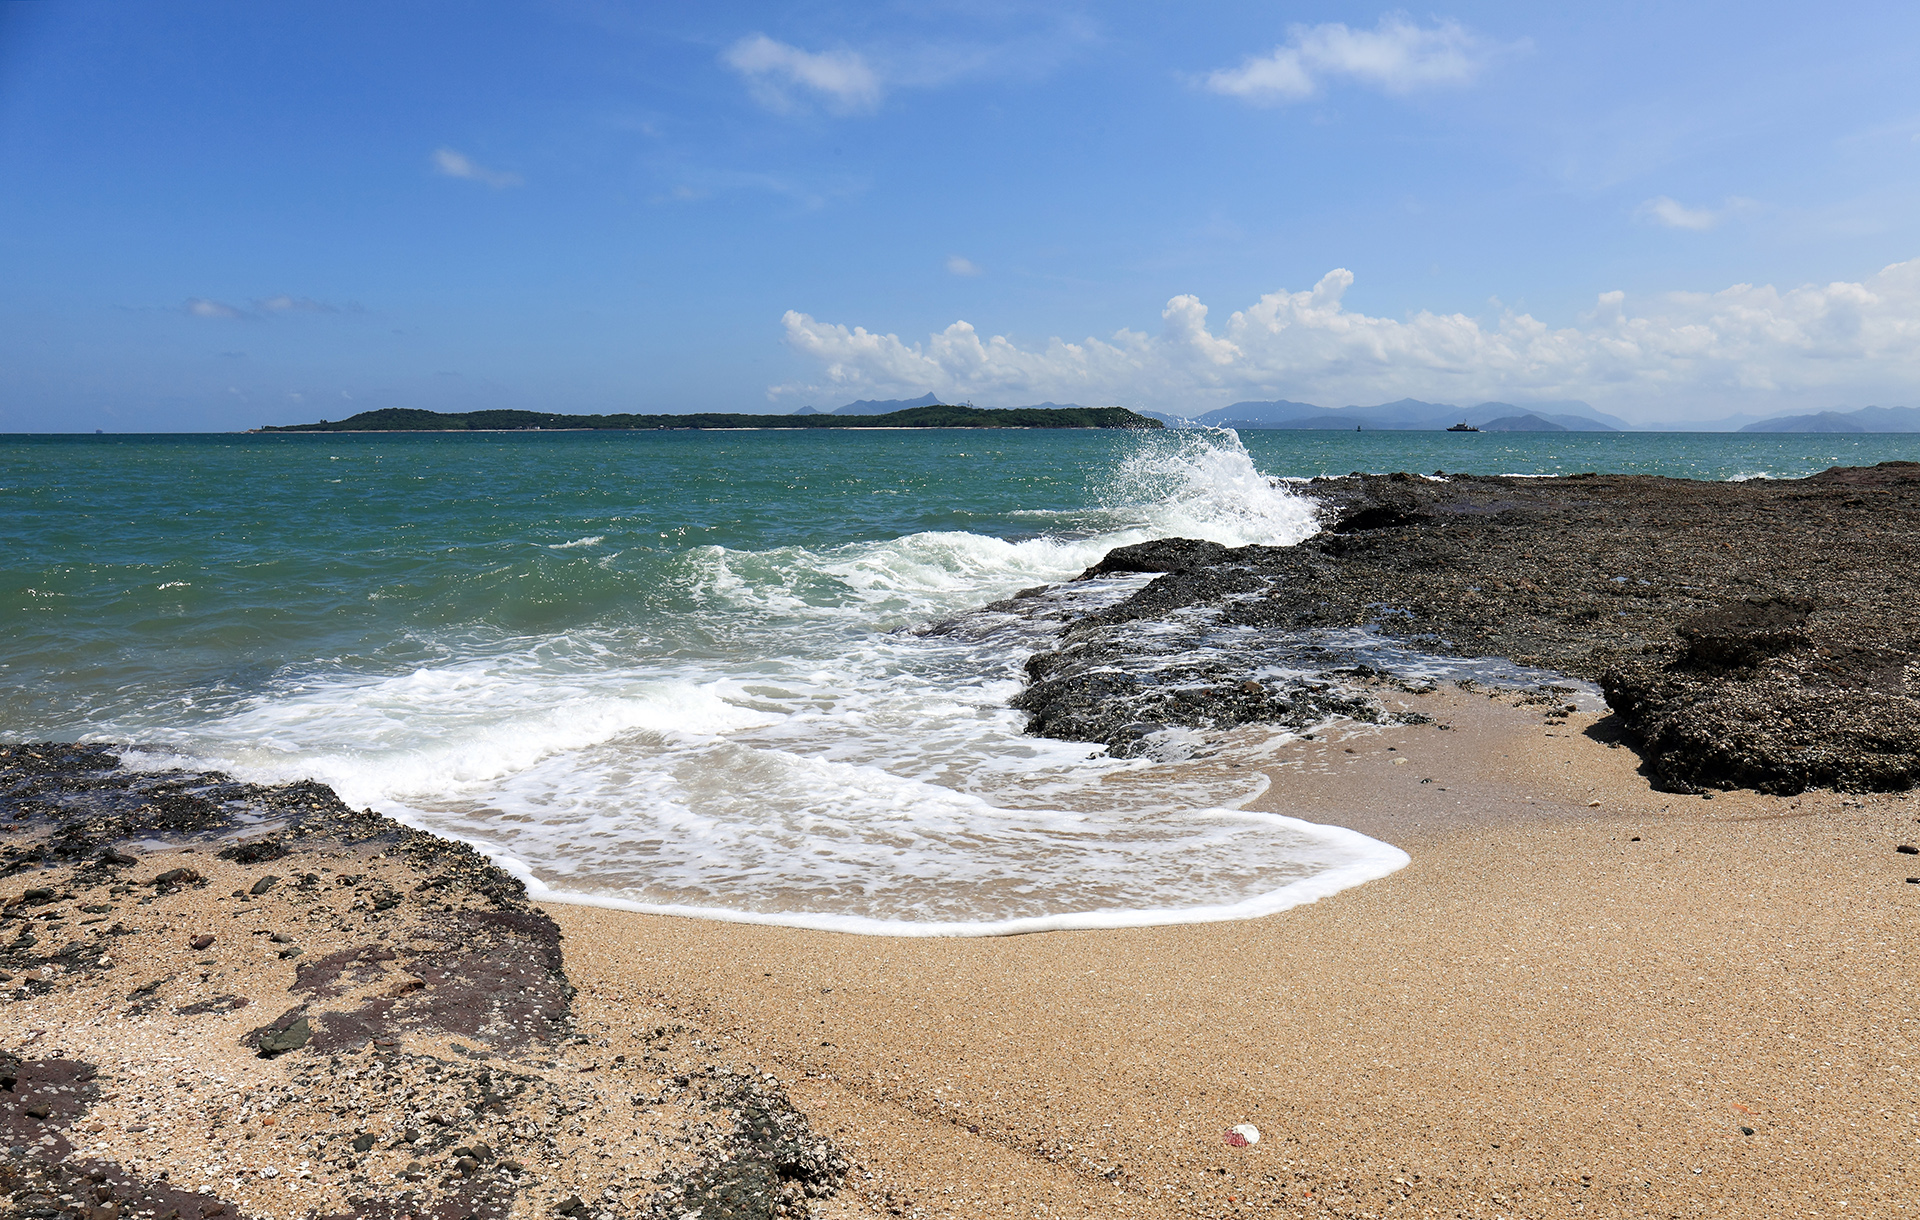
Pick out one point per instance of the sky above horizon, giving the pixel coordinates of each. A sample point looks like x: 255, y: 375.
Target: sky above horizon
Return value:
x: 220, y: 215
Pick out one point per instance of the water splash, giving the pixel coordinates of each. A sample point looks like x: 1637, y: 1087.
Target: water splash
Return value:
x: 773, y: 747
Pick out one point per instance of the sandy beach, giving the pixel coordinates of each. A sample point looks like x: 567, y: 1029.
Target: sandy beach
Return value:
x: 1583, y: 997
x: 1615, y: 979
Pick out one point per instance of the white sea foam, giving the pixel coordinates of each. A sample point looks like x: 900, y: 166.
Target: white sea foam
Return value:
x: 811, y: 762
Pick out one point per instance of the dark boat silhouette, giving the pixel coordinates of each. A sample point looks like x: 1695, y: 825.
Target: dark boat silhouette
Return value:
x: 1463, y: 426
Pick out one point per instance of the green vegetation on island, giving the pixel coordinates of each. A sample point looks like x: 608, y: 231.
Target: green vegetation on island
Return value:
x: 405, y: 419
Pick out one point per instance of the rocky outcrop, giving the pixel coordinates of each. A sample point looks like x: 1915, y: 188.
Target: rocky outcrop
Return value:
x: 268, y: 1001
x: 1760, y: 634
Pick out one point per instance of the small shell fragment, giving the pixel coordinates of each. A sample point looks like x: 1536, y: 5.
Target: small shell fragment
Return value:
x: 1243, y: 1135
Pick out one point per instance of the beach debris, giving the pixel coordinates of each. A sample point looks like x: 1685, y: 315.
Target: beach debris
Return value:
x: 202, y: 941
x: 1908, y: 849
x: 263, y: 885
x: 1243, y: 1135
x: 289, y: 1037
x: 257, y: 852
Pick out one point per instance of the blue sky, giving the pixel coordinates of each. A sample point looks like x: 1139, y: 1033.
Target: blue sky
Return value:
x: 219, y: 215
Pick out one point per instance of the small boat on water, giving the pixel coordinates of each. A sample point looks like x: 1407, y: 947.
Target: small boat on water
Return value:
x: 1463, y: 426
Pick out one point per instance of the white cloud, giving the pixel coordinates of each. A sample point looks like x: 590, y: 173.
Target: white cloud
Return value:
x: 1746, y: 345
x: 286, y: 304
x: 964, y: 266
x: 1019, y: 44
x: 1673, y: 214
x: 782, y: 76
x: 201, y: 307
x: 1396, y: 56
x: 459, y: 165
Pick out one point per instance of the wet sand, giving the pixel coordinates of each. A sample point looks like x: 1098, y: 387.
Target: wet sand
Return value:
x: 1583, y: 997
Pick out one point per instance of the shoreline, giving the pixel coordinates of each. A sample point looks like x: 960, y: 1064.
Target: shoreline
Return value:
x: 1555, y: 1010
x: 1584, y: 995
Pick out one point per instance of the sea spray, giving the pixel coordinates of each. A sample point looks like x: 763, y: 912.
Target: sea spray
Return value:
x: 635, y: 716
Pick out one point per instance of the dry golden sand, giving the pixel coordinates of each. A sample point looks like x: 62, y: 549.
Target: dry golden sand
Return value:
x: 1560, y: 1008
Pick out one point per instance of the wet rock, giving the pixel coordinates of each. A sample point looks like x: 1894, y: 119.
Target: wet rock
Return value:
x: 263, y: 885
x: 257, y: 852
x: 1378, y: 517
x: 1742, y: 633
x: 1160, y: 555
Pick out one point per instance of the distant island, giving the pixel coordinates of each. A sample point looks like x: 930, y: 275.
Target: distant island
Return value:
x: 407, y: 419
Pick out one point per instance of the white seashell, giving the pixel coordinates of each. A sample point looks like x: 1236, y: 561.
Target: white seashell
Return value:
x: 1248, y: 1132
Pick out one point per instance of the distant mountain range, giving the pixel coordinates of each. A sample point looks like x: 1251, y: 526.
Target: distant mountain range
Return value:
x: 1414, y: 415
x: 1411, y: 414
x: 1866, y: 419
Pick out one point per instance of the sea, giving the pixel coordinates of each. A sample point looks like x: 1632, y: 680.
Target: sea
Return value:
x: 730, y: 675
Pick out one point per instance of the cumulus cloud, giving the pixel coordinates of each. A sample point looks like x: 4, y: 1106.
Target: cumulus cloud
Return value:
x: 456, y: 164
x: 785, y: 78
x: 1396, y: 56
x: 1681, y: 351
x: 201, y: 307
x: 963, y: 266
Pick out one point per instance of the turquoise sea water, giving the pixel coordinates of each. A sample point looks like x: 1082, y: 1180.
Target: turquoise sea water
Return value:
x: 681, y: 671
